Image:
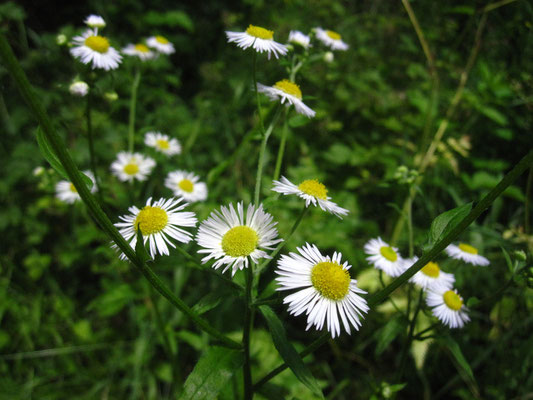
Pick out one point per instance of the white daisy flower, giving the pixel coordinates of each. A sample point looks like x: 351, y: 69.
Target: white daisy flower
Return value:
x: 260, y: 39
x: 466, y: 253
x: 447, y: 306
x: 331, y: 39
x: 78, y: 88
x: 161, y: 44
x: 159, y: 222
x: 300, y: 38
x: 430, y: 275
x: 185, y: 184
x: 93, y: 48
x: 94, y: 21
x: 325, y: 289
x: 384, y: 257
x: 312, y: 191
x: 232, y: 238
x: 66, y: 191
x: 162, y: 143
x: 286, y: 90
x: 139, y: 50
x: 130, y: 166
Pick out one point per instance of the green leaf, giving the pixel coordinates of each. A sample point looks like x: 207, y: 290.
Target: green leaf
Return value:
x: 298, y: 120
x: 208, y: 302
x: 448, y: 220
x: 494, y: 115
x: 388, y: 333
x: 171, y: 18
x: 114, y: 300
x: 288, y: 352
x: 140, y: 249
x: 507, y: 260
x: 461, y: 364
x: 212, y: 372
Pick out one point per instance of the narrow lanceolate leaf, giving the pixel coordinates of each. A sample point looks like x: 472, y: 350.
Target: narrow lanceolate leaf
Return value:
x: 461, y: 364
x: 288, y: 352
x: 140, y: 249
x: 448, y: 220
x: 388, y: 333
x: 212, y: 372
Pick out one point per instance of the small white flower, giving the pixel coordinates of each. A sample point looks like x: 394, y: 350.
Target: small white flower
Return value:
x: 447, y: 306
x: 162, y: 143
x: 233, y: 238
x: 66, y: 192
x: 466, y: 253
x: 300, y: 38
x: 94, y: 21
x: 430, y: 275
x: 384, y: 257
x: 325, y: 289
x: 139, y: 50
x: 130, y: 166
x: 159, y: 222
x: 312, y: 191
x: 95, y: 49
x: 186, y: 185
x: 328, y: 57
x: 331, y: 39
x: 161, y: 44
x: 260, y: 39
x: 286, y: 90
x: 78, y: 88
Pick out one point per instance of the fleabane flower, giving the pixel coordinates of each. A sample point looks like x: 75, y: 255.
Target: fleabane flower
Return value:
x: 260, y: 39
x: 159, y: 222
x: 78, y: 88
x: 91, y: 48
x: 325, y: 290
x: 299, y: 38
x: 185, y: 184
x: 331, y: 39
x: 161, y: 44
x: 94, y: 21
x: 447, y: 305
x: 466, y: 253
x: 233, y: 238
x: 130, y: 166
x: 66, y: 191
x: 430, y: 275
x: 162, y: 143
x: 312, y: 191
x: 139, y: 50
x: 288, y: 91
x: 384, y: 257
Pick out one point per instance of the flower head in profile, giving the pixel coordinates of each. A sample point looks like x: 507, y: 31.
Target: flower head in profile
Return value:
x: 326, y: 293
x: 162, y: 143
x: 312, y: 191
x: 447, y: 305
x: 161, y: 44
x: 467, y: 253
x: 94, y: 21
x: 430, y: 275
x: 260, y: 39
x: 91, y: 48
x: 233, y: 238
x: 130, y: 166
x: 384, y: 257
x: 185, y: 184
x: 66, y: 191
x: 331, y: 39
x: 160, y: 223
x: 78, y: 88
x: 287, y: 91
x: 139, y: 50
x: 299, y: 38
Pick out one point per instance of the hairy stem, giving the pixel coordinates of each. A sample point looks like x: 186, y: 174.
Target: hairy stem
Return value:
x: 133, y: 105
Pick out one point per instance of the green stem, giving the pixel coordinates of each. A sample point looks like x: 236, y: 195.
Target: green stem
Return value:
x: 281, y: 150
x: 90, y: 136
x: 248, y: 321
x: 407, y: 344
x: 257, y: 99
x: 410, y: 227
x: 528, y: 201
x: 133, y: 104
x: 92, y: 204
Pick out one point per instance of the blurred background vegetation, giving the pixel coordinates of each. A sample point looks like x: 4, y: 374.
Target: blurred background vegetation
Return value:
x: 75, y: 322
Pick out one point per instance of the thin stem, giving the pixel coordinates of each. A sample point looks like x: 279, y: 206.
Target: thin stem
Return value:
x: 247, y: 372
x: 90, y: 137
x: 258, y: 100
x: 407, y: 344
x: 390, y: 298
x: 58, y: 146
x: 133, y: 105
x: 410, y: 226
x: 527, y: 204
x: 281, y: 150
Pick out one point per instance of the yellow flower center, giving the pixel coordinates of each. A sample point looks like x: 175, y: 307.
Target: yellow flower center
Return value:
x: 431, y: 269
x: 151, y: 220
x: 389, y: 253
x: 314, y: 188
x: 239, y: 241
x: 142, y: 48
x: 453, y: 300
x: 131, y: 168
x: 467, y: 248
x: 163, y: 144
x: 330, y: 280
x: 290, y: 88
x: 73, y: 188
x: 161, y: 39
x: 97, y: 43
x: 258, y: 32
x: 333, y: 35
x: 186, y: 185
